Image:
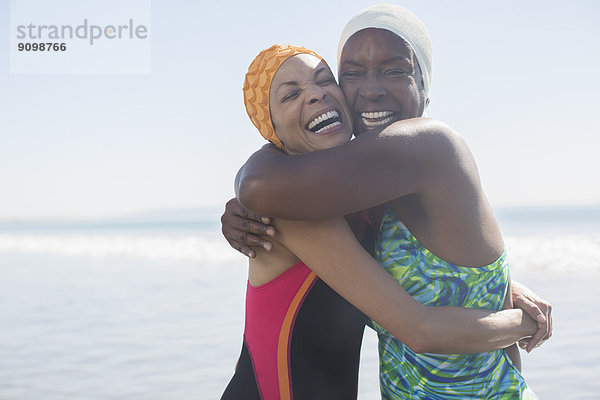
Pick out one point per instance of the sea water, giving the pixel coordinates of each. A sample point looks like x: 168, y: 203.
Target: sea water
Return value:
x: 152, y: 308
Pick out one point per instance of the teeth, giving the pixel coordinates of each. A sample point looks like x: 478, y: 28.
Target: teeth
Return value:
x: 323, y: 117
x: 376, y: 114
x: 370, y: 124
x: 336, y: 123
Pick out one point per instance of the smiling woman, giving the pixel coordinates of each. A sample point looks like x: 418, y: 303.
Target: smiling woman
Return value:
x: 304, y: 87
x: 382, y: 79
x: 302, y: 339
x: 289, y: 72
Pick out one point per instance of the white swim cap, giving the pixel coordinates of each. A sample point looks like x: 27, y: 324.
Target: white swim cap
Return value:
x: 397, y: 20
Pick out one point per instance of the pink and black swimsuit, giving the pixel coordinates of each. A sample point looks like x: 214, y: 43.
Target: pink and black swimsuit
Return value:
x: 301, y: 341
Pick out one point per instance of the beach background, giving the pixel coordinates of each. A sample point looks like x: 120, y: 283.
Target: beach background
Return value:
x: 151, y: 306
x: 115, y: 282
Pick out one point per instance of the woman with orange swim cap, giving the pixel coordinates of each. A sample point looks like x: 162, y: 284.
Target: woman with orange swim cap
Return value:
x: 301, y: 339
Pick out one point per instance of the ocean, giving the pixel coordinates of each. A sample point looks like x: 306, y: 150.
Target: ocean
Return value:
x: 151, y: 306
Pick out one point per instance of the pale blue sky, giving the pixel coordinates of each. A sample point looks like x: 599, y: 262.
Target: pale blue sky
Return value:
x: 519, y: 80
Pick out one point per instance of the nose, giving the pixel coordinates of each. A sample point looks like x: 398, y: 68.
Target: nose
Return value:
x: 371, y: 89
x: 316, y: 94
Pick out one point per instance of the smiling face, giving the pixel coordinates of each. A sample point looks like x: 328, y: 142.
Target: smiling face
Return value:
x: 308, y: 109
x: 381, y: 79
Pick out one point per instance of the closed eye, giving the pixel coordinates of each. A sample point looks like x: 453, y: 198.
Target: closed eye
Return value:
x: 351, y: 75
x: 290, y: 96
x: 327, y: 81
x: 395, y: 72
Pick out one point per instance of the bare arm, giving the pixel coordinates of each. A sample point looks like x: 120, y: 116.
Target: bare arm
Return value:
x: 370, y: 170
x: 329, y: 248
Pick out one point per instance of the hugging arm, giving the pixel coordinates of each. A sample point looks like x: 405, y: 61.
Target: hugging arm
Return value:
x: 333, y: 182
x: 363, y: 173
x: 329, y: 248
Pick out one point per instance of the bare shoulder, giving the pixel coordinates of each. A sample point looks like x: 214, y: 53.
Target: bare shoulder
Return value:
x: 258, y: 164
x: 262, y: 156
x: 422, y: 129
x: 425, y: 143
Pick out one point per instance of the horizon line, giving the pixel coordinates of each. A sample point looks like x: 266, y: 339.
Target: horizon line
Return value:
x: 190, y: 214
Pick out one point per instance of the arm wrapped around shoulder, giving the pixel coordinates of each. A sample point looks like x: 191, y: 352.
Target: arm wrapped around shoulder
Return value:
x: 376, y: 167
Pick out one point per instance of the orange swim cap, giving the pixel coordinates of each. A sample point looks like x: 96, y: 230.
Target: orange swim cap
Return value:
x: 257, y: 86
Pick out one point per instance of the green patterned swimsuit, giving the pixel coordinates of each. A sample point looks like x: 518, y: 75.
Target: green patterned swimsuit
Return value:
x: 433, y: 281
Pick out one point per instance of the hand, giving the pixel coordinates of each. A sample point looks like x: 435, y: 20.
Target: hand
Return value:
x: 538, y: 309
x: 242, y: 228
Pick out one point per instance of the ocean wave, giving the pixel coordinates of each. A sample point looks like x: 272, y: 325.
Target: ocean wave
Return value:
x: 172, y: 247
x: 539, y: 253
x: 570, y: 253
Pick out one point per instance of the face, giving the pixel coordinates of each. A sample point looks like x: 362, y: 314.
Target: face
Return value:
x: 381, y: 79
x: 308, y: 109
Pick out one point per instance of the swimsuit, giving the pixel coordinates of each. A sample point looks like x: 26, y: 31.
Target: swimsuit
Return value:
x: 436, y: 282
x: 301, y: 341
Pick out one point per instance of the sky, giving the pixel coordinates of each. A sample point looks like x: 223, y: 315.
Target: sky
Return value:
x: 518, y: 80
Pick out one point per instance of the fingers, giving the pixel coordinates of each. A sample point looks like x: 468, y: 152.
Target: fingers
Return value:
x: 532, y: 310
x: 252, y: 240
x: 245, y: 242
x: 245, y: 245
x: 534, y: 306
x: 547, y: 312
x: 243, y: 228
x: 543, y: 333
x: 254, y: 228
x: 239, y: 218
x: 236, y: 208
x: 233, y: 225
x: 537, y: 338
x: 550, y: 326
x: 242, y: 248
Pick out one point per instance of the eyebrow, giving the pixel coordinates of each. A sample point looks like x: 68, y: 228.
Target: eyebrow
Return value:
x: 295, y: 83
x: 397, y: 58
x: 283, y: 84
x: 322, y: 69
x: 387, y: 61
x: 289, y: 83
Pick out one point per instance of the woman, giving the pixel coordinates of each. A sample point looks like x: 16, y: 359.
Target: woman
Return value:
x: 325, y: 195
x: 299, y: 108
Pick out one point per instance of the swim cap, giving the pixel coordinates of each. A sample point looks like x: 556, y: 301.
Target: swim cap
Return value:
x: 257, y: 86
x: 397, y: 20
